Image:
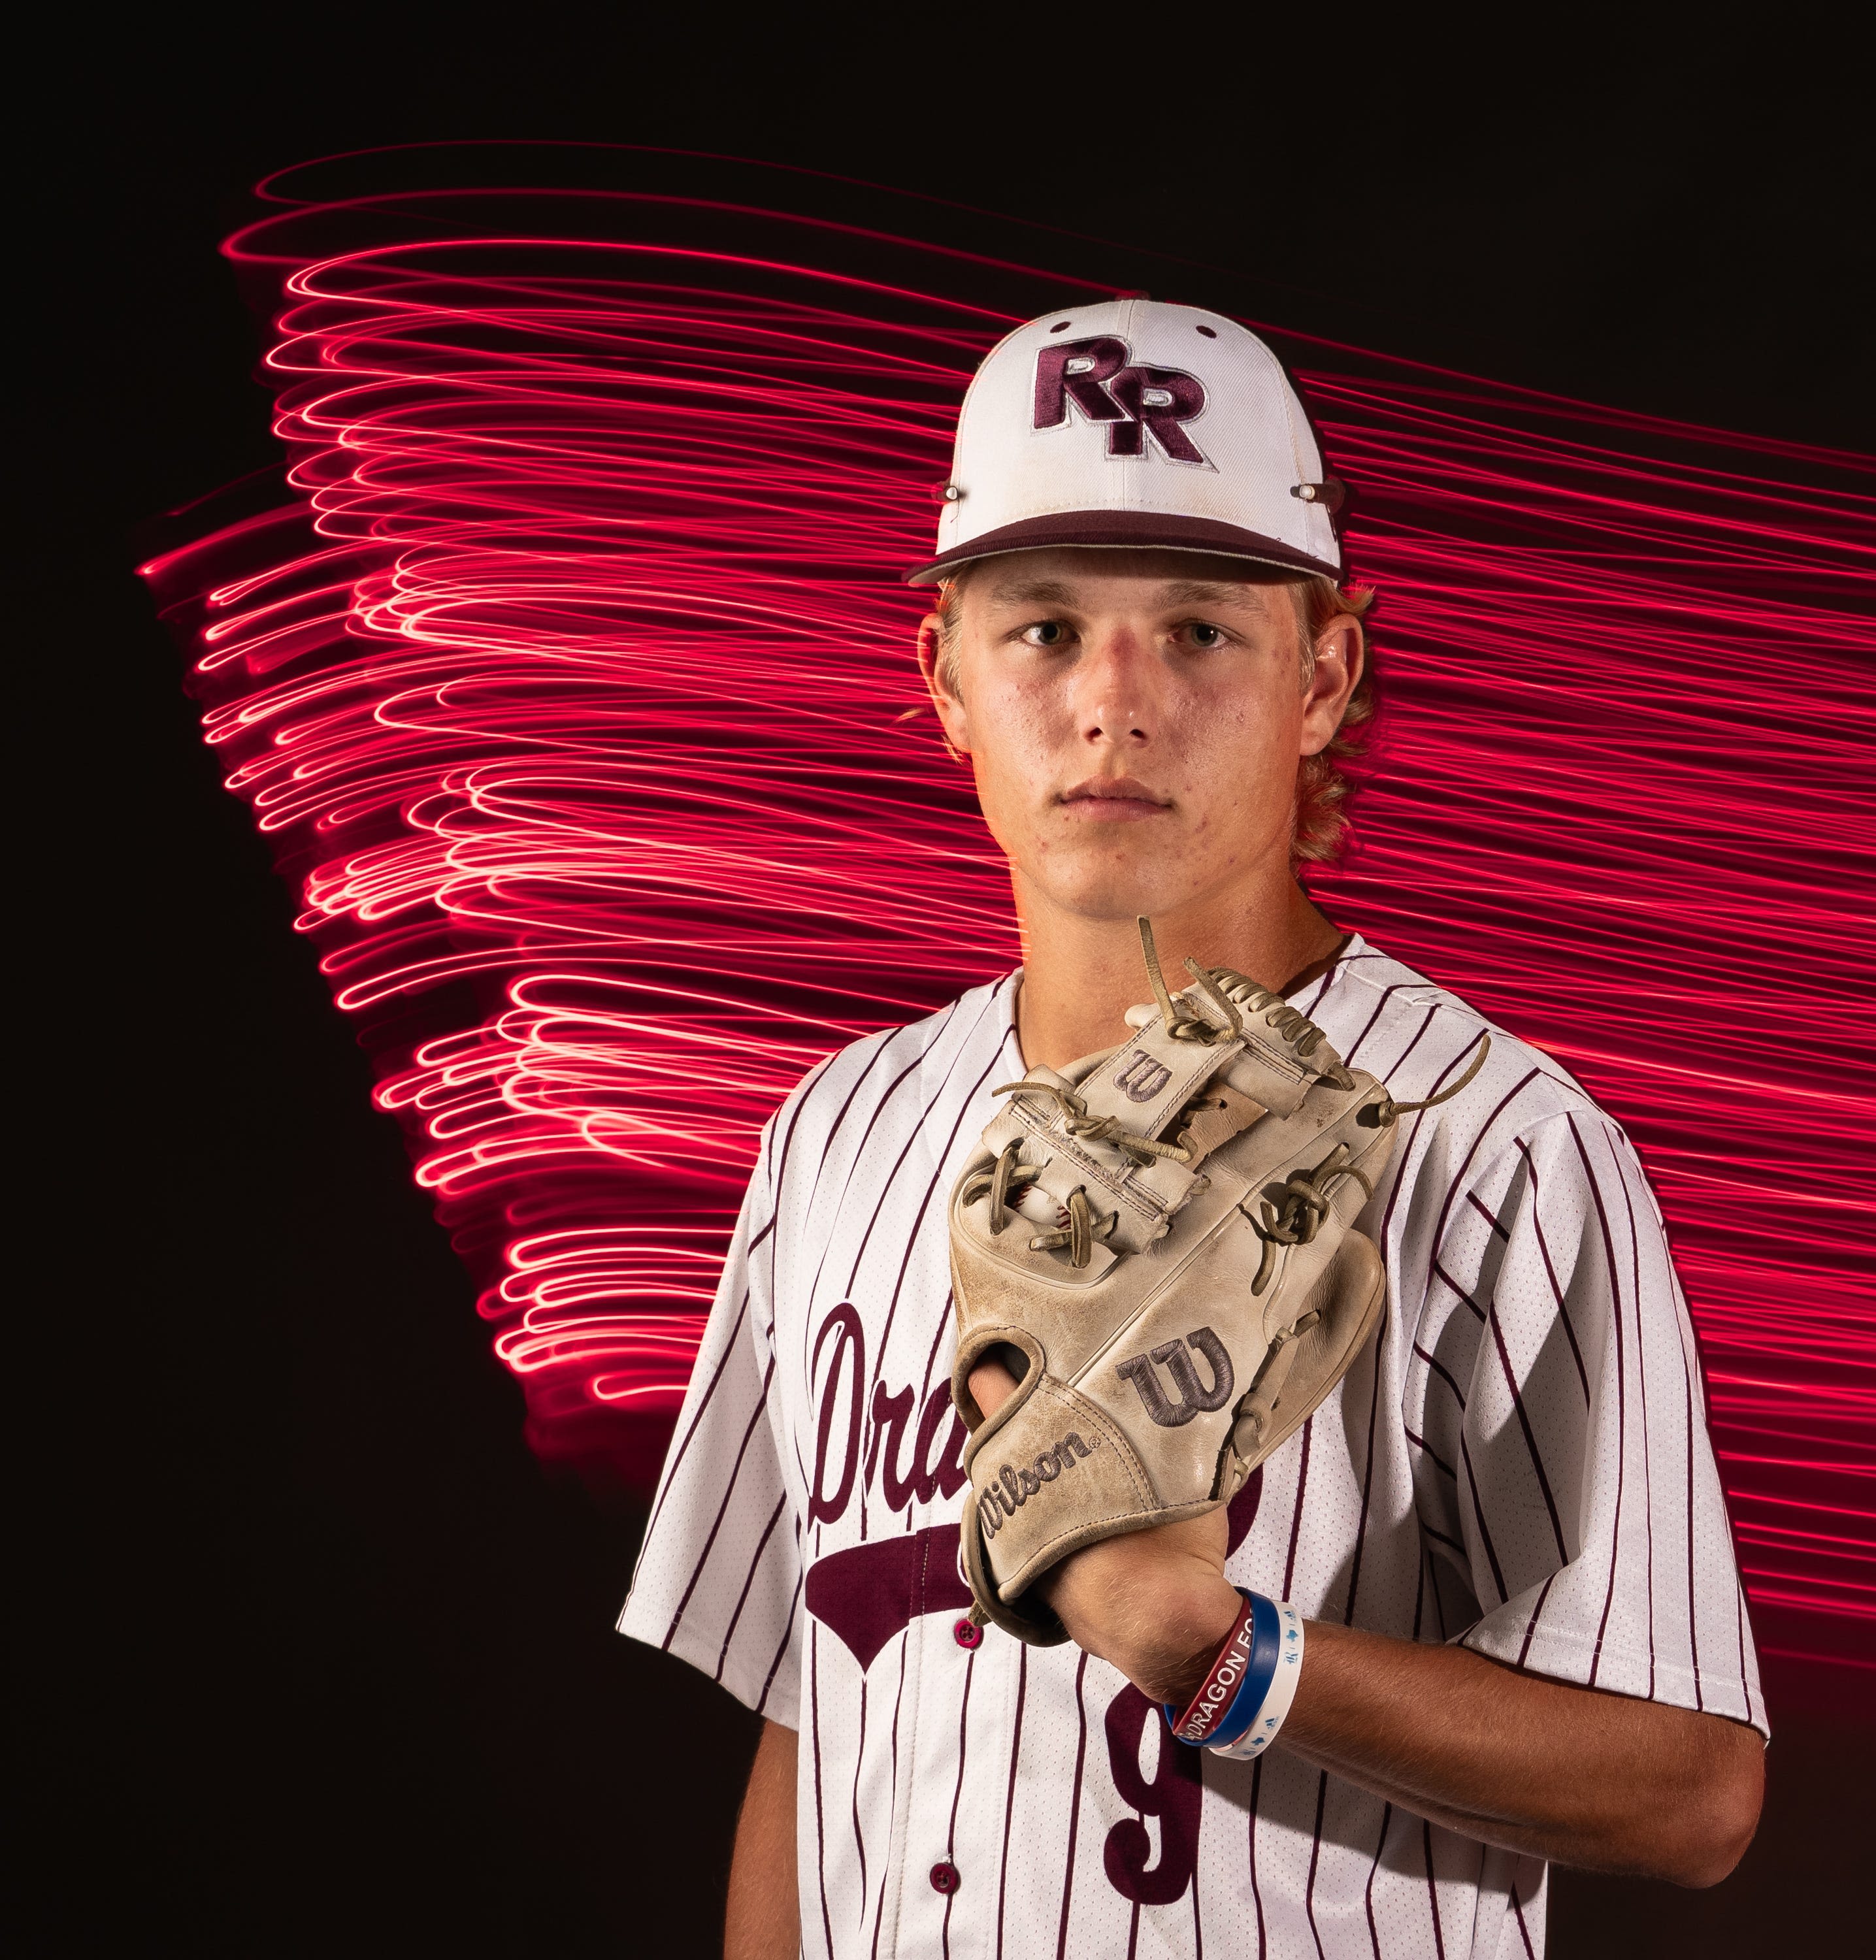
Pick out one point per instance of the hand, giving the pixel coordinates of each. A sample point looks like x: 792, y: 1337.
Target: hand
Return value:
x: 1155, y: 1603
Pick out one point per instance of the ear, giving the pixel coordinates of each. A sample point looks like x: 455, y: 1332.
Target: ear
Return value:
x: 950, y: 708
x: 1332, y: 685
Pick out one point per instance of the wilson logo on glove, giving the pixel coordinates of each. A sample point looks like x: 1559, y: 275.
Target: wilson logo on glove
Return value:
x: 1142, y: 1078
x: 1013, y: 1487
x: 1171, y: 1356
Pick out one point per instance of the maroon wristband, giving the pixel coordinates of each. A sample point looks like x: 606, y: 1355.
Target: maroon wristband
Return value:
x: 1208, y: 1708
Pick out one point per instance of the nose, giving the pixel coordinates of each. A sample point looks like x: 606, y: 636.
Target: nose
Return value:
x: 1116, y: 689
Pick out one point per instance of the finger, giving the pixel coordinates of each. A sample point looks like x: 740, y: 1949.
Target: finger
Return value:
x: 992, y: 1385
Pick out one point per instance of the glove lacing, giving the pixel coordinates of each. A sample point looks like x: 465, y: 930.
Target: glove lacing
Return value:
x: 1008, y: 1176
x: 1306, y: 1194
x: 1234, y: 996
x: 1305, y: 1204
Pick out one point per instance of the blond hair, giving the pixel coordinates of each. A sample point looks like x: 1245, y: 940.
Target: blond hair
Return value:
x: 1322, y: 784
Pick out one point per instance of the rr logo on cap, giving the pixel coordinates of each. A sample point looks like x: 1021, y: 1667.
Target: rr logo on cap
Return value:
x: 1133, y: 402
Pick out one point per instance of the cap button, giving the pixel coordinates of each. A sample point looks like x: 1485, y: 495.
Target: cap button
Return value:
x: 1328, y: 492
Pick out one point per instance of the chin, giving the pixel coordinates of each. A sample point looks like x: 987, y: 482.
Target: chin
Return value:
x: 1110, y: 895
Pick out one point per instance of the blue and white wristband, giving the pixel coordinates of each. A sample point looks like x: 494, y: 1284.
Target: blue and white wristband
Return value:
x: 1240, y: 1742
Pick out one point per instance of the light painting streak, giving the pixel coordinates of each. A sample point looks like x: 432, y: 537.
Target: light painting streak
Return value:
x: 575, y: 692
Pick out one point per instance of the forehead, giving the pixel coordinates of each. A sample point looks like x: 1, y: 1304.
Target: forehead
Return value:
x: 1101, y: 581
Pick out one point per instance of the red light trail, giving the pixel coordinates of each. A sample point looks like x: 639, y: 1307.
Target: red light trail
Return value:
x: 573, y: 689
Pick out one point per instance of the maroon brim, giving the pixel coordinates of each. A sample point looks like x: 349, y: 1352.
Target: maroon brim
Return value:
x: 1136, y: 530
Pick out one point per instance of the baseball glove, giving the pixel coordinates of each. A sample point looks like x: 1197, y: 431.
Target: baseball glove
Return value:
x: 1158, y: 1242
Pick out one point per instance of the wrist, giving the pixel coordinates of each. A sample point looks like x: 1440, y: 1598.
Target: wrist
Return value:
x: 1188, y: 1625
x: 1258, y: 1669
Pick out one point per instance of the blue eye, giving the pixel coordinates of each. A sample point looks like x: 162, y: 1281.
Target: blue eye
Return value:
x: 1203, y: 635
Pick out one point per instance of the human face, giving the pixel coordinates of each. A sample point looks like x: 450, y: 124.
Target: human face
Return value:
x: 1135, y: 720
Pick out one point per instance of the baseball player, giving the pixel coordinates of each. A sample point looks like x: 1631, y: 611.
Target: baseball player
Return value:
x: 1198, y: 1448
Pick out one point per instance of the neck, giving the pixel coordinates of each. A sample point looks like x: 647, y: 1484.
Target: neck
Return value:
x: 1081, y: 975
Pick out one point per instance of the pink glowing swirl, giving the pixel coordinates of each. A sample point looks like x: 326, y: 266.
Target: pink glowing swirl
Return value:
x: 573, y: 689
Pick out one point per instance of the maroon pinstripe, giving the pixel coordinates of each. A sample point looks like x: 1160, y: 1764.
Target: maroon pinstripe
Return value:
x: 1432, y: 1889
x: 1368, y: 1894
x: 1315, y: 1858
x: 1478, y: 1513
x: 1441, y: 1369
x: 925, y: 1209
x: 1433, y: 1456
x: 1256, y: 1893
x: 1296, y: 1516
x: 1640, y: 1383
x: 879, y: 1109
x: 749, y: 1580
x: 1550, y: 1269
x: 1622, y: 1394
x: 879, y: 1911
x: 958, y: 1792
x: 680, y: 1444
x: 1524, y: 1424
x: 1439, y: 1273
x: 912, y: 1137
x: 1485, y: 1212
x: 1380, y: 1007
x: 788, y: 1634
x: 1367, y: 1470
x: 1009, y: 1798
x: 820, y: 1833
x: 1510, y: 1097
x: 1075, y: 1806
x: 1531, y: 1625
x: 729, y: 1490
x: 859, y: 1836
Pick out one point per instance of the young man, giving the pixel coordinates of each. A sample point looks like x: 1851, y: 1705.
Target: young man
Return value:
x: 1525, y: 1636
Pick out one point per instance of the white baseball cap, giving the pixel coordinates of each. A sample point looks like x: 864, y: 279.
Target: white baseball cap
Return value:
x: 1133, y: 422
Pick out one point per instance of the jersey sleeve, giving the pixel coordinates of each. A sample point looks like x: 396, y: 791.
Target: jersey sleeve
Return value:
x: 1565, y: 1477
x: 719, y: 1579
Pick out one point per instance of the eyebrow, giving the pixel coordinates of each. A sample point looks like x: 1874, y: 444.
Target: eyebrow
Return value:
x: 1203, y: 592
x: 1031, y: 592
x: 1176, y: 591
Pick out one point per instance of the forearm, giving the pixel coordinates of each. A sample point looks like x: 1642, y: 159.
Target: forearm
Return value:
x: 764, y: 1921
x: 1598, y: 1780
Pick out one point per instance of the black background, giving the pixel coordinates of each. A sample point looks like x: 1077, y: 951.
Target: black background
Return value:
x: 322, y: 1656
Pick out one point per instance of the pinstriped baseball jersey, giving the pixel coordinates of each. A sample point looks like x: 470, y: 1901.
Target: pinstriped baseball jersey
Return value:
x: 1519, y: 1463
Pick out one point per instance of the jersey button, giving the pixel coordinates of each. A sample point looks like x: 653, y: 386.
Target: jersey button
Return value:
x: 967, y: 1633
x: 944, y: 1876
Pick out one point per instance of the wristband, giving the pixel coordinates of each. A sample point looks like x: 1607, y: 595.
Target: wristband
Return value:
x: 1260, y: 1729
x: 1234, y: 1687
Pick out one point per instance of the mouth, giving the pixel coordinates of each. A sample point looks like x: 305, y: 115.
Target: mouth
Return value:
x: 1112, y: 800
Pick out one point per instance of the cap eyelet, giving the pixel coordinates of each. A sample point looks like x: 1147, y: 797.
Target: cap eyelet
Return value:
x: 1331, y: 493
x: 1060, y: 325
x: 1210, y: 333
